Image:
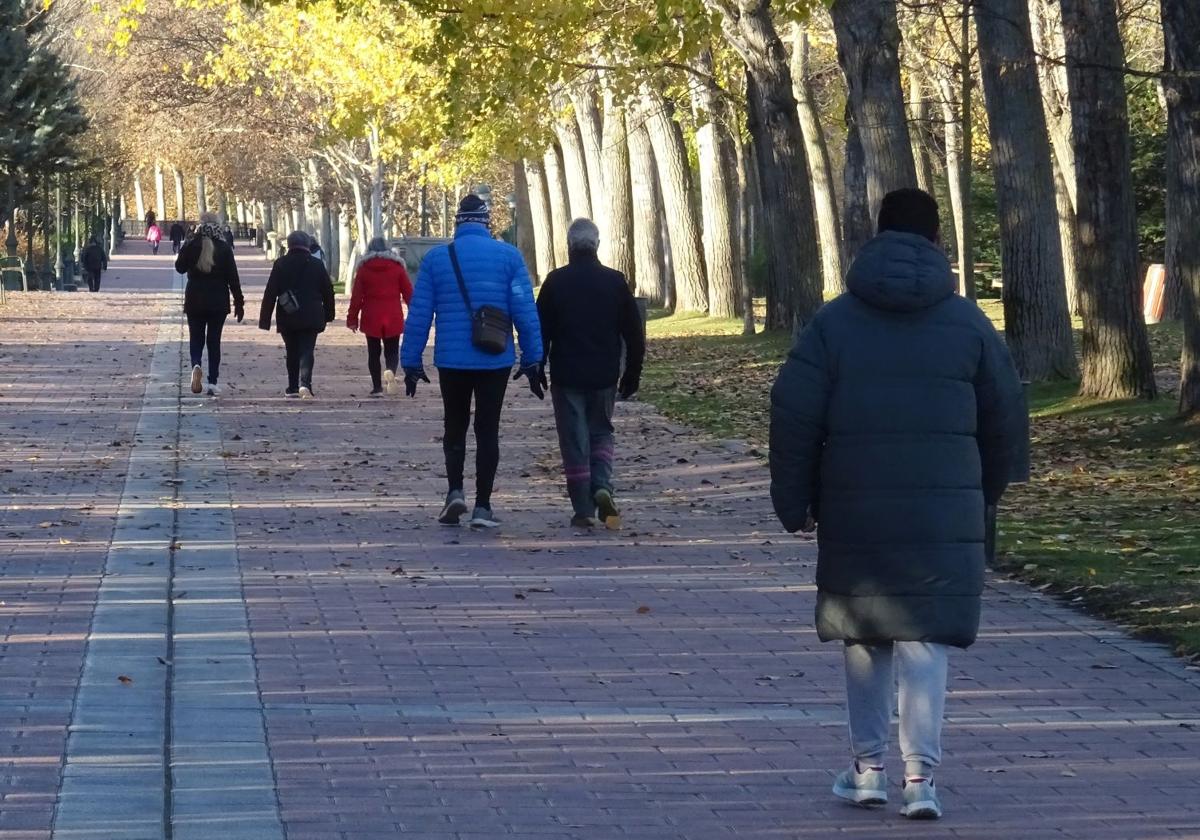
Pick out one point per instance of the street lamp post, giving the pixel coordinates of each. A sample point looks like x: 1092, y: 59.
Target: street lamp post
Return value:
x: 59, y: 266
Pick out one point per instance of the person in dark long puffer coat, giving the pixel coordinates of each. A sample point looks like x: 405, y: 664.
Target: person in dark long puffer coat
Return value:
x: 381, y: 287
x: 897, y: 417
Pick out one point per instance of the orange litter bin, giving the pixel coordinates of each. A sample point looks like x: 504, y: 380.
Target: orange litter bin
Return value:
x: 1154, y: 293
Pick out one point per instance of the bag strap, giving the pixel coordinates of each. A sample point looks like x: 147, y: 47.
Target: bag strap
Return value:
x: 462, y: 286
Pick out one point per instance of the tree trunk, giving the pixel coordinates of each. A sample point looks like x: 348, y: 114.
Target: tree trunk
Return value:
x: 714, y: 147
x: 360, y: 213
x: 675, y: 179
x: 868, y: 39
x: 587, y: 116
x: 1046, y: 27
x: 958, y: 179
x: 160, y: 198
x: 1116, y: 351
x: 820, y: 170
x: 556, y: 185
x: 857, y: 224
x: 179, y: 206
x: 648, y: 271
x: 616, y: 235
x: 346, y: 246
x: 794, y: 280
x: 139, y: 200
x: 332, y: 243
x: 1036, y: 321
x: 918, y: 107
x: 1181, y: 27
x: 326, y: 222
x: 747, y: 197
x: 542, y: 226
x: 523, y: 233
x: 201, y: 196
x: 574, y: 168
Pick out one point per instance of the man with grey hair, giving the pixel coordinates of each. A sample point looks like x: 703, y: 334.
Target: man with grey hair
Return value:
x: 587, y: 311
x: 300, y: 293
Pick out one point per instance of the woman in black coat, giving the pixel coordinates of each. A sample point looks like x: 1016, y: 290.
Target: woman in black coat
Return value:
x: 212, y: 278
x: 300, y: 294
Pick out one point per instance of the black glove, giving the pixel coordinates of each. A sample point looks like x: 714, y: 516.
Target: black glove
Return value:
x: 630, y: 383
x: 411, y: 377
x: 239, y: 311
x: 537, y: 379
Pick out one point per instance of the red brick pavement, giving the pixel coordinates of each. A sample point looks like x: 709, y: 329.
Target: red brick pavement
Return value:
x: 663, y: 681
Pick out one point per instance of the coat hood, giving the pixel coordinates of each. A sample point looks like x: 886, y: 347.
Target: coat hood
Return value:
x: 379, y: 255
x: 900, y: 272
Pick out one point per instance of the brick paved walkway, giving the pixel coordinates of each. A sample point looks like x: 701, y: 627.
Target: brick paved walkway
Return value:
x: 332, y: 664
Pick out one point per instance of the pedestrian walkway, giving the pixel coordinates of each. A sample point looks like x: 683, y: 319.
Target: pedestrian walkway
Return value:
x: 236, y: 618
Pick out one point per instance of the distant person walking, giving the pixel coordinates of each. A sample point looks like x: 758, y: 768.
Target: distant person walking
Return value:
x: 212, y: 279
x: 476, y: 289
x: 381, y: 287
x: 300, y: 294
x: 154, y: 236
x: 94, y: 262
x: 896, y: 418
x: 177, y: 236
x: 586, y: 310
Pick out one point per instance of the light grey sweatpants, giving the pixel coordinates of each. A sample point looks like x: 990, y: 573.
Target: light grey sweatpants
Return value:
x: 870, y: 692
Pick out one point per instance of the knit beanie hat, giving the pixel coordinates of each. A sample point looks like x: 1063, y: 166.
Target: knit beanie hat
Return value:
x: 472, y: 209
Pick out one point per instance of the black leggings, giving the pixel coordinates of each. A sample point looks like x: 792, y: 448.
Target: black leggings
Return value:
x: 487, y: 387
x: 390, y: 348
x: 206, y: 330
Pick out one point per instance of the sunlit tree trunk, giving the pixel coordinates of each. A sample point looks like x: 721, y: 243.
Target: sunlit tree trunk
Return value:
x: 717, y: 175
x: 747, y: 201
x: 523, y: 221
x: 825, y: 206
x: 160, y: 197
x: 647, y: 215
x: 868, y: 39
x: 559, y: 213
x: 918, y: 107
x: 958, y: 179
x: 587, y: 116
x: 574, y: 168
x: 180, y: 209
x: 616, y: 234
x: 1116, y: 350
x: 139, y: 201
x: 1181, y: 27
x: 675, y: 180
x: 539, y: 209
x: 1036, y: 321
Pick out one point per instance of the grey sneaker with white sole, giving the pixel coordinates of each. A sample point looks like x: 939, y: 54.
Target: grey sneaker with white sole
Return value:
x: 865, y: 787
x: 921, y: 800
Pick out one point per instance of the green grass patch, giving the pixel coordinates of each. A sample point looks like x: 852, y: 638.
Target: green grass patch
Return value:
x: 1110, y: 520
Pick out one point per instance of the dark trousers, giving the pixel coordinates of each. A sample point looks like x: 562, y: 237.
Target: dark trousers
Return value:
x: 390, y: 347
x: 487, y: 387
x: 93, y: 280
x: 585, y: 437
x: 299, y: 346
x: 206, y: 330
x: 175, y: 246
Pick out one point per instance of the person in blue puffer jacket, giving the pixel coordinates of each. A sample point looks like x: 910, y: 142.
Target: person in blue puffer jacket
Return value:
x: 494, y: 274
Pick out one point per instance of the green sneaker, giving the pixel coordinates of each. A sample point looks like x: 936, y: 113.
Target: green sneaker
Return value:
x: 868, y: 787
x: 920, y: 800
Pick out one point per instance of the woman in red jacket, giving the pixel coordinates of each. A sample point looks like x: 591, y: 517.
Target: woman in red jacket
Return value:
x: 380, y: 284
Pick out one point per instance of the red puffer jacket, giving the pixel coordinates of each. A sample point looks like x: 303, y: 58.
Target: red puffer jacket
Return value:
x: 380, y: 284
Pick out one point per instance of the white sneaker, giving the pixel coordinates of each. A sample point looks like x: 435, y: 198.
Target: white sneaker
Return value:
x: 389, y: 383
x: 213, y: 389
x: 921, y: 800
x: 305, y: 393
x: 868, y: 787
x: 197, y: 379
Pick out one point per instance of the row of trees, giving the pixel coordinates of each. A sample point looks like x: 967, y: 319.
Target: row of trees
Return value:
x: 41, y: 120
x: 726, y: 147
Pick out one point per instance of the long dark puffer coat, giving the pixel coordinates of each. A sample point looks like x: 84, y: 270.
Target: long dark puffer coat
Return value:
x: 298, y: 271
x: 897, y: 416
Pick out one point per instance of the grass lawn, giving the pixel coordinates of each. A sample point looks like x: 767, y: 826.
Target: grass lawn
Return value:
x: 1110, y: 521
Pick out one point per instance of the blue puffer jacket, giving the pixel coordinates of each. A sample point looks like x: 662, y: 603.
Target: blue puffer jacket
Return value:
x: 495, y: 275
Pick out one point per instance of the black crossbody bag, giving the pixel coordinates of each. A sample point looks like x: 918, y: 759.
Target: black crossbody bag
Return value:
x: 491, y: 327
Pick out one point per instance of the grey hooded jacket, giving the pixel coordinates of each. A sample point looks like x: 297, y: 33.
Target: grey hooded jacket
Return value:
x: 897, y: 416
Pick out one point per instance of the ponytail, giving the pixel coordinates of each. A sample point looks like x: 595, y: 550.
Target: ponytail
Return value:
x: 207, y: 250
